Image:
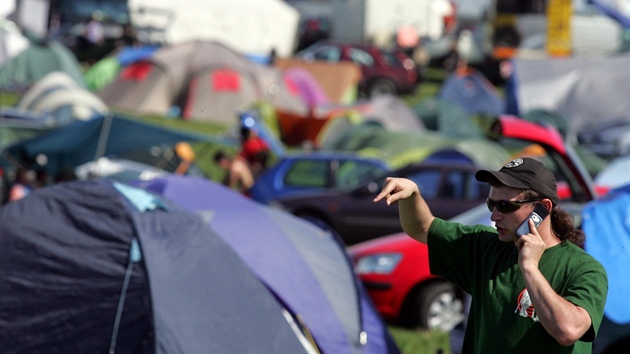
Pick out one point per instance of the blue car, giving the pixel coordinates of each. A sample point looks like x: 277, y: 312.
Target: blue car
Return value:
x: 301, y: 172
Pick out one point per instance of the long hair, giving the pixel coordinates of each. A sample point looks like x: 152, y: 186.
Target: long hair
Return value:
x: 561, y: 222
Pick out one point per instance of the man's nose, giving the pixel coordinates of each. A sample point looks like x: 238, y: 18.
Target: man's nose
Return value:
x: 496, y: 215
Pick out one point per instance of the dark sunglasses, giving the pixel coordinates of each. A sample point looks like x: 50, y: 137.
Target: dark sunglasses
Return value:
x: 507, y: 206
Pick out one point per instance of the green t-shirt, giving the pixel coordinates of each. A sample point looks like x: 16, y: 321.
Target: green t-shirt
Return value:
x: 502, y: 319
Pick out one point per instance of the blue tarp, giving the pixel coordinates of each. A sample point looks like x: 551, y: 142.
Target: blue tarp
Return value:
x: 84, y: 141
x: 606, y: 223
x: 473, y: 92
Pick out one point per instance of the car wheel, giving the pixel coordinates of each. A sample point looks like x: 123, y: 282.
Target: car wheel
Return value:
x: 381, y: 87
x: 438, y: 306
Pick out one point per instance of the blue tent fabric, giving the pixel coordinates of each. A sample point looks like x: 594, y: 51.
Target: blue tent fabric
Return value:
x: 64, y: 277
x: 131, y: 54
x: 473, y: 92
x: 606, y: 223
x: 84, y: 141
x: 305, y: 267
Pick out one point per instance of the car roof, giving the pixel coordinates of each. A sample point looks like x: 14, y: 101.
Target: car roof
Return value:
x: 348, y: 44
x: 321, y: 155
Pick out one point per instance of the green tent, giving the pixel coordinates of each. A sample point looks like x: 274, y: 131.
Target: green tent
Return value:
x: 402, y: 148
x: 447, y: 118
x: 39, y: 59
x: 102, y: 73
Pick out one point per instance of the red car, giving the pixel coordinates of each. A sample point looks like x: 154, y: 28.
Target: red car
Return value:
x: 384, y: 71
x: 395, y: 269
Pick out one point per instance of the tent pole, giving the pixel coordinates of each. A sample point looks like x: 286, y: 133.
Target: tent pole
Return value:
x: 104, y: 136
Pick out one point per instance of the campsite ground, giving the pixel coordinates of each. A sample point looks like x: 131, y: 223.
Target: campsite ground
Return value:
x: 414, y: 341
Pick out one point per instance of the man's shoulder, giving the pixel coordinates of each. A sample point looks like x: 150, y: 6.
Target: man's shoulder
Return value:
x: 441, y: 224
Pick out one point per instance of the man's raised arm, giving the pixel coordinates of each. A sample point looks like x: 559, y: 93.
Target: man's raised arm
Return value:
x: 415, y: 215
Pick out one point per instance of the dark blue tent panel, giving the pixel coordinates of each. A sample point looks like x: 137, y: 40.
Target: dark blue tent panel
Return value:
x: 74, y: 255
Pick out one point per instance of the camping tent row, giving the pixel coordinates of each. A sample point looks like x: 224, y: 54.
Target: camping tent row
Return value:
x: 200, y: 80
x: 113, y: 267
x: 209, y: 81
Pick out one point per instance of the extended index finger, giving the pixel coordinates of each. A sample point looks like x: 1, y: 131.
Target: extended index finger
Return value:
x: 388, y: 188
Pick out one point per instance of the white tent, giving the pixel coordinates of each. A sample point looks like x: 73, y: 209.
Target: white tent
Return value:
x: 249, y: 26
x: 12, y: 42
x: 589, y: 91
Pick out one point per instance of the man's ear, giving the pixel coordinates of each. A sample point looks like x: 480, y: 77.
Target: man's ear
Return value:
x: 546, y: 202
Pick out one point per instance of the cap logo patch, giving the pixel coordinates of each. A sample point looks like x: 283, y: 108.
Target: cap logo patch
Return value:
x: 514, y: 163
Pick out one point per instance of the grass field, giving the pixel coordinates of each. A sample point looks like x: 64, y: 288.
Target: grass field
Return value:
x: 410, y: 341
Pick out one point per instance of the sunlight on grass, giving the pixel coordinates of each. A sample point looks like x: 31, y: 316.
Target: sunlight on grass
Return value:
x: 417, y: 341
x: 8, y: 99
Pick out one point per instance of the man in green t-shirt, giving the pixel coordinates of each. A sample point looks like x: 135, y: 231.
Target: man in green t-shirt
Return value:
x: 537, y: 293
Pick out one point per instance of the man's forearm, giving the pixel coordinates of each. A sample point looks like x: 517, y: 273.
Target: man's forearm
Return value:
x: 415, y: 217
x: 563, y: 320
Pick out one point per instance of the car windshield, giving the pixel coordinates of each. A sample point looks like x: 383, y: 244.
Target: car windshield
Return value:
x: 390, y: 59
x: 308, y: 173
x: 361, y: 57
x: 428, y: 182
x: 352, y: 173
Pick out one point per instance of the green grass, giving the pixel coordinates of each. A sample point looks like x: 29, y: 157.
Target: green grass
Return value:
x: 416, y: 341
x: 8, y: 99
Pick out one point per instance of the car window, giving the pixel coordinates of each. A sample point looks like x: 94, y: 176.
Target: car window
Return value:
x: 390, y: 59
x: 352, y: 173
x: 454, y: 185
x: 361, y: 57
x: 428, y: 181
x: 308, y: 174
x: 332, y: 54
x: 476, y: 190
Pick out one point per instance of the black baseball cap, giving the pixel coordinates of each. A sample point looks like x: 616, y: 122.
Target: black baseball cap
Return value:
x: 524, y: 173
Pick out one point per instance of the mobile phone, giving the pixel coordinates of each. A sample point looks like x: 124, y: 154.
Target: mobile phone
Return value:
x: 538, y: 215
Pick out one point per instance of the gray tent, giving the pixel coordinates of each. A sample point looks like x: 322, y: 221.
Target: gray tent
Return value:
x: 588, y: 91
x: 206, y: 80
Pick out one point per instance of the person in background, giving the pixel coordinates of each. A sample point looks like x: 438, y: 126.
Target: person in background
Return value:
x: 239, y: 174
x: 254, y: 150
x: 537, y: 293
x: 22, y: 185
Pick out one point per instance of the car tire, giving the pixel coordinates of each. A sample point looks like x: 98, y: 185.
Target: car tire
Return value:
x: 381, y: 87
x: 438, y: 306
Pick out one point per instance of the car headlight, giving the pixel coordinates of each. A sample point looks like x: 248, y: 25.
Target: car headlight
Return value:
x: 381, y: 263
